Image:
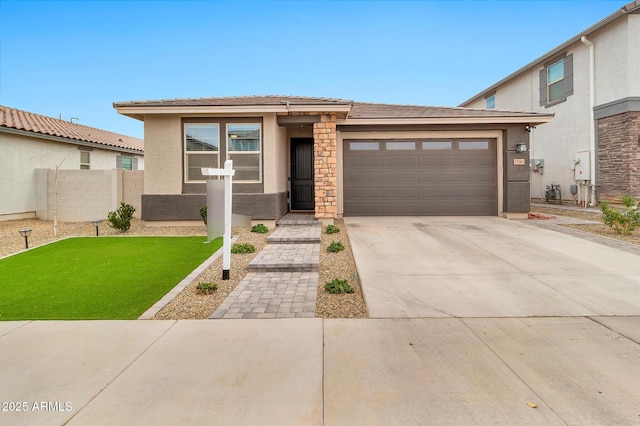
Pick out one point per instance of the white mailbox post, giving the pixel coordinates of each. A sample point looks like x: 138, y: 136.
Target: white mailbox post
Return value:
x: 227, y: 174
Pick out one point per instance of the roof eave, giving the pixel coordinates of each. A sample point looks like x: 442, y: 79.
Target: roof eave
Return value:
x: 631, y: 7
x: 139, y: 111
x: 70, y: 140
x: 526, y: 119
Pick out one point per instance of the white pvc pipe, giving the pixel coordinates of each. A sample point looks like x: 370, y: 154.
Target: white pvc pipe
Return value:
x: 592, y: 122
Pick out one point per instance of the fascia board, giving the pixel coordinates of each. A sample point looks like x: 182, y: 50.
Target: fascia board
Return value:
x: 255, y: 109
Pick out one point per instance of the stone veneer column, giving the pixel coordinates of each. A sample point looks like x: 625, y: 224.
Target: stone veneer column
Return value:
x: 619, y: 156
x: 325, y: 167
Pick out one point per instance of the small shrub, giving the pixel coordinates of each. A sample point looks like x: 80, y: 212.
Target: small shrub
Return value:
x: 622, y: 221
x: 206, y: 288
x: 121, y: 218
x: 338, y: 286
x: 332, y: 229
x: 242, y: 248
x: 203, y: 213
x: 260, y: 229
x: 335, y: 247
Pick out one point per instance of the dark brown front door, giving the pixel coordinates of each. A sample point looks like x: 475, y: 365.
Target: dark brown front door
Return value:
x: 302, y: 189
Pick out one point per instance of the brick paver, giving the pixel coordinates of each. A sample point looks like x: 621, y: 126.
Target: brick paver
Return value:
x: 283, y: 278
x: 272, y: 295
x: 287, y: 258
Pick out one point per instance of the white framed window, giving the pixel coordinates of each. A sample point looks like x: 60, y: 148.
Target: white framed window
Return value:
x: 556, y: 81
x: 491, y: 102
x: 555, y: 84
x: 244, y: 148
x: 85, y: 160
x: 126, y: 162
x: 201, y: 149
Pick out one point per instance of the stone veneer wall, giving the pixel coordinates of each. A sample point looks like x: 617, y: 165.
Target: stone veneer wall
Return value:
x: 325, y: 167
x: 619, y: 156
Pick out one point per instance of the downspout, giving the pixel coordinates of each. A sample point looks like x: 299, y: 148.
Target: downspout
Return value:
x: 592, y: 122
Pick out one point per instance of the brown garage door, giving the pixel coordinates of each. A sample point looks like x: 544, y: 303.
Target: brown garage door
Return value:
x: 420, y: 177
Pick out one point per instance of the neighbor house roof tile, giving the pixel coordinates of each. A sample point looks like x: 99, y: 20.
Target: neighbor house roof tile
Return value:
x: 22, y: 120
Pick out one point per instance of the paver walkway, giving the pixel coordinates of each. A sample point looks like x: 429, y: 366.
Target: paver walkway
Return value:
x: 283, y: 278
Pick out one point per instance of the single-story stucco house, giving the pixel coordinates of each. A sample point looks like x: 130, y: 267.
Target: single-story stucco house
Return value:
x: 334, y: 157
x: 30, y: 142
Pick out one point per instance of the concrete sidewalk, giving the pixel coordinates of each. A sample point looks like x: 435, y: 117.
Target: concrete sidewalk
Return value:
x: 314, y: 371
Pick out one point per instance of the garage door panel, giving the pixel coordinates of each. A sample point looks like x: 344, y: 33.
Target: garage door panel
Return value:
x: 400, y: 177
x: 398, y: 161
x: 399, y: 193
x: 364, y: 162
x: 439, y: 161
x: 475, y: 161
x: 458, y: 180
x: 356, y: 176
x: 400, y: 209
x: 364, y: 193
x: 363, y: 209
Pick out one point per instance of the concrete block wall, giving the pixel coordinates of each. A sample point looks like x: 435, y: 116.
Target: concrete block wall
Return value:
x: 84, y: 195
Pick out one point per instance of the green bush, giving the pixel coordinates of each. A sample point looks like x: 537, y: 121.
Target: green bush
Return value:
x: 335, y: 247
x: 242, y: 248
x: 338, y: 286
x: 203, y: 213
x: 121, y: 218
x: 332, y: 229
x: 260, y: 229
x: 206, y: 288
x: 622, y: 221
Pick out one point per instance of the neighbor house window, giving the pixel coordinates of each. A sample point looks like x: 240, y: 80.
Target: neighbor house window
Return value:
x: 556, y: 81
x: 125, y: 162
x: 491, y: 102
x: 244, y: 148
x: 85, y: 160
x: 202, y: 149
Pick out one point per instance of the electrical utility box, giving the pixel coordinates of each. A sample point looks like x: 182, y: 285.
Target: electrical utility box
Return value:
x: 583, y: 165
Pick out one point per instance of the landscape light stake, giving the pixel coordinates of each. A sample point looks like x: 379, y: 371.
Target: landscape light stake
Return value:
x: 25, y: 233
x: 96, y: 223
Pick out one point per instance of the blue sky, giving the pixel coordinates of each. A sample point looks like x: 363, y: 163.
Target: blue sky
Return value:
x: 75, y: 58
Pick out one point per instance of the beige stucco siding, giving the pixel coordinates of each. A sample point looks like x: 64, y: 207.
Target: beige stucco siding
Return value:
x: 612, y: 61
x: 633, y: 43
x: 20, y: 155
x: 274, y: 146
x: 163, y: 150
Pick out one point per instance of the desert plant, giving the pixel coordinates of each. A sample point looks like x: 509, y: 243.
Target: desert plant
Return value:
x: 242, y: 248
x: 332, y: 229
x: 206, y: 288
x: 338, y: 286
x: 260, y: 229
x: 121, y: 218
x: 335, y: 247
x: 622, y: 221
x: 203, y: 213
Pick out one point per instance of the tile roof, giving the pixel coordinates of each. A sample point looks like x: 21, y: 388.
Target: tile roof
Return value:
x: 359, y: 110
x: 238, y: 101
x: 12, y: 118
x: 363, y: 110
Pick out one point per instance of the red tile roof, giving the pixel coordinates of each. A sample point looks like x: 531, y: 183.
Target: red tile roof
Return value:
x: 12, y: 118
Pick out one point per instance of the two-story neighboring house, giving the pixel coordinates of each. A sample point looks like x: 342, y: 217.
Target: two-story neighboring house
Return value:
x: 591, y: 83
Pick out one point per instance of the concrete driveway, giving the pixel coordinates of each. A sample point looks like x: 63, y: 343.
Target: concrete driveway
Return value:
x: 474, y: 267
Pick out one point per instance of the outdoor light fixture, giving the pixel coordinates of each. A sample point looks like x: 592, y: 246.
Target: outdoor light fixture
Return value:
x: 25, y: 233
x: 233, y: 136
x: 521, y: 147
x: 96, y: 223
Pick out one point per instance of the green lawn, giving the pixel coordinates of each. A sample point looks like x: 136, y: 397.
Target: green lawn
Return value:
x: 97, y: 278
